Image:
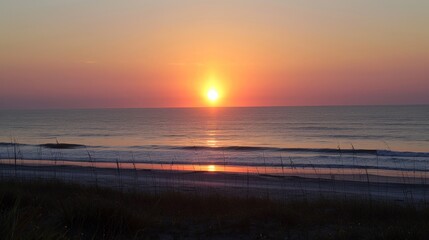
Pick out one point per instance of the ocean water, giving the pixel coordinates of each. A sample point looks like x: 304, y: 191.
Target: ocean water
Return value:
x: 382, y: 137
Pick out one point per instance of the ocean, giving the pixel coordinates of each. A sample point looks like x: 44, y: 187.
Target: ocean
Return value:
x: 355, y: 137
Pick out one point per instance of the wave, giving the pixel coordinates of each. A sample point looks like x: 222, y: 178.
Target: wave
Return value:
x: 374, y: 152
x: 10, y: 144
x: 61, y: 145
x: 251, y: 148
x: 388, y: 153
x: 45, y: 145
x: 371, y: 152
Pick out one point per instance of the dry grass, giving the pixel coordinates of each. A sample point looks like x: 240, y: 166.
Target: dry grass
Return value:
x: 54, y: 210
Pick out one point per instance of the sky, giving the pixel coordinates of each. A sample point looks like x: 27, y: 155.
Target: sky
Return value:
x: 165, y: 53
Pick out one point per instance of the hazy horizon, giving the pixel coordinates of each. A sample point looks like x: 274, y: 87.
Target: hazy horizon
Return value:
x: 261, y: 106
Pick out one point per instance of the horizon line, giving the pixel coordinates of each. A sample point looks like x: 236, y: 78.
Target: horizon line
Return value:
x: 214, y: 107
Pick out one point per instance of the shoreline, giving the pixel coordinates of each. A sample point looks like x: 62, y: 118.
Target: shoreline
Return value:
x: 353, y: 173
x: 294, y: 185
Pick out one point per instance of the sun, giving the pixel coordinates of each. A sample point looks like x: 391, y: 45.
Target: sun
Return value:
x: 213, y: 95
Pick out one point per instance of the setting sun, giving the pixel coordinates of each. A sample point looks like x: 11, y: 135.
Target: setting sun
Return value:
x: 212, y: 95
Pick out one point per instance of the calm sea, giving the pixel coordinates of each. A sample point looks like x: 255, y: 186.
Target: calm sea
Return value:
x: 372, y: 136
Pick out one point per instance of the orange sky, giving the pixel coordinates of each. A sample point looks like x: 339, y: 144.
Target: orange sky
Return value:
x: 87, y: 54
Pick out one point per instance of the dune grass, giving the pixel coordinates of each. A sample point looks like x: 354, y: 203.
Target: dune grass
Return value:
x: 55, y: 210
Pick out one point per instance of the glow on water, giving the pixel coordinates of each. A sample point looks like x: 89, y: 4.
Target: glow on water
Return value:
x: 260, y: 171
x: 400, y: 128
x: 230, y: 139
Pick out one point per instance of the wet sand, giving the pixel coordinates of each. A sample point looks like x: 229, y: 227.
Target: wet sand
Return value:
x: 209, y: 180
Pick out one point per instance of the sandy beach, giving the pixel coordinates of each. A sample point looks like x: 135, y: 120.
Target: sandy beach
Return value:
x: 292, y: 185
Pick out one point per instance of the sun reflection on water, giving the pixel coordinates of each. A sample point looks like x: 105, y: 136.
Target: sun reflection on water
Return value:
x: 211, y: 168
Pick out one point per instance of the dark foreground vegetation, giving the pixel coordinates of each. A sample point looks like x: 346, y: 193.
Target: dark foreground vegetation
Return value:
x: 47, y: 210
